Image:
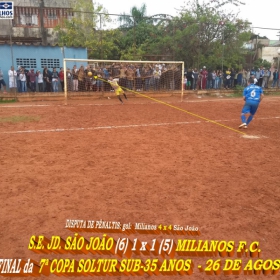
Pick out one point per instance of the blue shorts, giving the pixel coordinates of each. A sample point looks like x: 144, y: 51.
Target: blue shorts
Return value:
x: 250, y: 107
x: 2, y: 82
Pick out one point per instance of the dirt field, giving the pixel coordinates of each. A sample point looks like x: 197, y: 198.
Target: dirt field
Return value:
x: 140, y: 162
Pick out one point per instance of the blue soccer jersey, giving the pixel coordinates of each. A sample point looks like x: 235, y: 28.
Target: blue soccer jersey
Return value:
x: 253, y: 93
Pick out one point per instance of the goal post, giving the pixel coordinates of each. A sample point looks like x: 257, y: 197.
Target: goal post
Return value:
x: 90, y: 76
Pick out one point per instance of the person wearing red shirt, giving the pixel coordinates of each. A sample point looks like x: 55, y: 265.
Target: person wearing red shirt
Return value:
x: 204, y: 74
x: 61, y: 78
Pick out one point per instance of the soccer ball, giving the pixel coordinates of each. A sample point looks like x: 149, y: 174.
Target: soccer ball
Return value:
x: 89, y: 73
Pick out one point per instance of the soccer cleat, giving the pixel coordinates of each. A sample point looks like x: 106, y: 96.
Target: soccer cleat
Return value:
x: 243, y: 125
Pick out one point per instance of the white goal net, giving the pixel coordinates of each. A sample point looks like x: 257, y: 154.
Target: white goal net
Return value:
x: 90, y: 77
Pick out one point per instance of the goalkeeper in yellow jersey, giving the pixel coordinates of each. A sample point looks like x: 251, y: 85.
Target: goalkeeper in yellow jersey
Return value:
x: 118, y: 90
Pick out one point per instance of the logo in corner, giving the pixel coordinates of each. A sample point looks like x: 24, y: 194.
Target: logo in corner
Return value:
x: 6, y: 10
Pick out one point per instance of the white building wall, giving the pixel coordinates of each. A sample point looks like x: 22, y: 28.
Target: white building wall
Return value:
x: 271, y: 55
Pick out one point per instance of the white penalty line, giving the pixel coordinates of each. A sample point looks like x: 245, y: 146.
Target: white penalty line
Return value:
x: 117, y: 127
x: 95, y: 128
x: 186, y: 100
x: 26, y: 106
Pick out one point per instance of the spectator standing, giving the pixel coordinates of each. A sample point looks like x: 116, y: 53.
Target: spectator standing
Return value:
x: 88, y: 78
x: 138, y: 79
x: 239, y: 78
x: 32, y: 79
x: 189, y: 77
x: 260, y: 80
x: 199, y: 80
x: 244, y: 77
x: 2, y: 81
x: 265, y: 79
x: 81, y: 78
x: 130, y: 75
x: 12, y: 73
x: 75, y: 78
x: 100, y: 77
x: 257, y: 75
x: 235, y: 78
x: 247, y: 77
x: 195, y: 78
x: 156, y: 75
x: 47, y: 80
x: 54, y: 76
x: 269, y: 76
x: 106, y: 74
x: 253, y: 72
x: 204, y: 74
x: 214, y: 76
x: 275, y: 78
x: 18, y: 79
x: 218, y: 79
x: 123, y: 78
x: 185, y: 82
x: 40, y: 81
x: 69, y: 80
x: 209, y: 80
x: 147, y: 73
x: 22, y: 78
x: 61, y: 77
x: 232, y: 78
x: 227, y: 78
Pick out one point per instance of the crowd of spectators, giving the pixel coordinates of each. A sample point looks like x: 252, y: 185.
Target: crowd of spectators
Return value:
x: 131, y: 76
x: 138, y: 77
x: 230, y: 78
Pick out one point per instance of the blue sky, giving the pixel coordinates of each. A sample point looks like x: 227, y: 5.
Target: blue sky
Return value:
x: 260, y: 13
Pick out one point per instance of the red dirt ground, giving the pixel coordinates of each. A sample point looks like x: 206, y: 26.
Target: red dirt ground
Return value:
x: 141, y: 162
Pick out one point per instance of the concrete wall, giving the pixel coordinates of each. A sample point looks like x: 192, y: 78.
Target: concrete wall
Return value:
x: 36, y: 53
x: 47, y: 3
x: 269, y: 53
x: 6, y: 25
x: 47, y: 34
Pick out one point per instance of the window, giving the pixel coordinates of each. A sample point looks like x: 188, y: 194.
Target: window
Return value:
x: 69, y: 15
x: 28, y: 63
x: 25, y: 16
x: 52, y: 14
x: 50, y: 63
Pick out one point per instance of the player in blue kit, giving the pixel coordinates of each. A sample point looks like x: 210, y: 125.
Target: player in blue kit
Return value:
x: 252, y: 96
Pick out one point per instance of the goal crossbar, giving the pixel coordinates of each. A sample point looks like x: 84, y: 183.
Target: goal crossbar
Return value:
x: 166, y: 66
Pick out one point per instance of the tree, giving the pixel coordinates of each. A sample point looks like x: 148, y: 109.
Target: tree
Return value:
x: 136, y: 17
x: 138, y: 31
x: 202, y: 34
x: 262, y: 62
x: 82, y: 30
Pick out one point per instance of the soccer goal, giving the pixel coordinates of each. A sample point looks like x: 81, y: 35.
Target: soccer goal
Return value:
x: 90, y: 77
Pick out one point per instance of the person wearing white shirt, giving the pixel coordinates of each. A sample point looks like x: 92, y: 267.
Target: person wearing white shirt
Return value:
x: 12, y: 73
x: 40, y: 81
x: 22, y: 78
x: 156, y: 75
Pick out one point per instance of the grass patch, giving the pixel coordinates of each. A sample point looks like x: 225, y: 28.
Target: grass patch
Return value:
x: 18, y: 119
x: 7, y: 100
x: 235, y: 94
x: 272, y: 93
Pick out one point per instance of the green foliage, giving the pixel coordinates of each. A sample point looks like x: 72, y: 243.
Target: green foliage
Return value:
x: 17, y: 119
x: 262, y: 62
x: 195, y: 36
x: 2, y: 100
x: 84, y: 30
x: 238, y: 90
x: 202, y: 34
